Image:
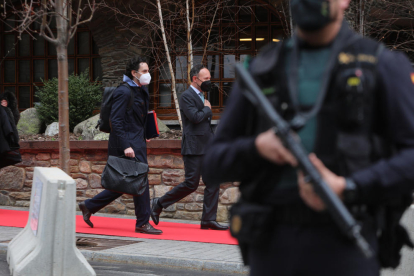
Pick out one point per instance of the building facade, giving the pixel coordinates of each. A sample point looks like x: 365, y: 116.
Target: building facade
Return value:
x: 222, y: 35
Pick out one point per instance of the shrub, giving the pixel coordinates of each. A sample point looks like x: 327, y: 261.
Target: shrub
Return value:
x: 84, y: 97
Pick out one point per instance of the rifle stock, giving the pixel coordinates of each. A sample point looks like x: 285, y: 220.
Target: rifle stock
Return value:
x: 334, y: 205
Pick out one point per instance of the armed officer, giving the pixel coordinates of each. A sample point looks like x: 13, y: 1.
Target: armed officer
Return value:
x: 351, y: 103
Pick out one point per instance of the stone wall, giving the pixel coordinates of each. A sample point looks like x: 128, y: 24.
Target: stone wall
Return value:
x: 88, y: 159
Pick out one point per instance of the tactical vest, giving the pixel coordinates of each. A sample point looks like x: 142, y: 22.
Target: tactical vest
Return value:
x: 347, y: 139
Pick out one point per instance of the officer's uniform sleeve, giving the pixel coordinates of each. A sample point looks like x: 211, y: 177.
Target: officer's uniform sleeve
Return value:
x: 232, y: 155
x: 394, y: 176
x: 121, y: 98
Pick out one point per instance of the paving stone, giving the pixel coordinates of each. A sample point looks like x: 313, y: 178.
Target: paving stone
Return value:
x: 81, y: 183
x: 43, y: 156
x: 194, y: 206
x: 154, y: 179
x: 173, y: 177
x: 230, y: 196
x: 12, y: 178
x: 98, y: 169
x: 17, y: 195
x: 155, y: 171
x: 85, y: 166
x: 94, y: 180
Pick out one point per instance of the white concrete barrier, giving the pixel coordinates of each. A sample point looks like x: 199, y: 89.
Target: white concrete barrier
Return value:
x: 47, y: 245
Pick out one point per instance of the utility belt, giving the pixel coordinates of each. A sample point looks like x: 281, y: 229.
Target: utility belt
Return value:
x: 245, y: 213
x: 252, y: 223
x: 299, y: 214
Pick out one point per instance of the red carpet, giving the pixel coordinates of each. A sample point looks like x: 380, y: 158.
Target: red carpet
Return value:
x: 125, y: 228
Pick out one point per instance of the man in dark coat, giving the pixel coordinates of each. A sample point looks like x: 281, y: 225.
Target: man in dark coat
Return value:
x: 9, y: 137
x: 8, y: 99
x: 127, y: 138
x: 196, y: 115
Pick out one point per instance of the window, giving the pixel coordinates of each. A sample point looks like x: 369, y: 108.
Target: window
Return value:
x: 28, y: 61
x: 240, y: 29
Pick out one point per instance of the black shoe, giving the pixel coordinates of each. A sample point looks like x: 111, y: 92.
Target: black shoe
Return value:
x: 86, y: 213
x: 155, y: 211
x: 213, y: 225
x: 147, y: 229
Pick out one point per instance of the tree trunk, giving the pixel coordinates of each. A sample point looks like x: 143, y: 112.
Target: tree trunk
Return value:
x: 361, y: 17
x: 63, y: 85
x: 177, y: 106
x: 290, y: 19
x: 209, y: 32
x: 189, y: 44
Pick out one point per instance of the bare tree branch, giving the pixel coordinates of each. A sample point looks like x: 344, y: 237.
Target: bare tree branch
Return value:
x: 209, y: 32
x: 389, y: 21
x: 177, y: 106
x: 189, y: 43
x: 38, y: 11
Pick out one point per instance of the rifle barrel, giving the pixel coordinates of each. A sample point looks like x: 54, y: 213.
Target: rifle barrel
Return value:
x: 335, y: 206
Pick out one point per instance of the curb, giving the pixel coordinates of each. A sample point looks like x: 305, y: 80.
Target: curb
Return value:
x: 95, y: 256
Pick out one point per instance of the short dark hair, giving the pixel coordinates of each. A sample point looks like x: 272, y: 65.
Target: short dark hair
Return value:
x: 134, y: 64
x: 195, y: 70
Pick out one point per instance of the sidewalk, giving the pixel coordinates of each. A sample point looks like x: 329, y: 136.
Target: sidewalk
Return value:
x: 189, y: 255
x: 220, y: 258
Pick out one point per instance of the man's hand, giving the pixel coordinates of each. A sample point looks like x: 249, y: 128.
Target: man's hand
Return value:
x: 336, y: 183
x: 207, y: 103
x: 148, y: 140
x: 4, y: 103
x: 271, y: 148
x: 129, y: 152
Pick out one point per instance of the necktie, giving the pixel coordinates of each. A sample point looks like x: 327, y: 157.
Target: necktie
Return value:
x: 201, y: 96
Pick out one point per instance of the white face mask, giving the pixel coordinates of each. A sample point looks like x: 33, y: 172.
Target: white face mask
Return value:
x: 145, y: 79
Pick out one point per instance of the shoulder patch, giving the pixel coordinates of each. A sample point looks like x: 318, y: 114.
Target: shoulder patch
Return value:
x: 346, y: 58
x: 412, y: 77
x: 268, y: 90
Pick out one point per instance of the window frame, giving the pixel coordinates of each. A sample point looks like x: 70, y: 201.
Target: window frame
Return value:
x: 272, y: 13
x: 46, y: 57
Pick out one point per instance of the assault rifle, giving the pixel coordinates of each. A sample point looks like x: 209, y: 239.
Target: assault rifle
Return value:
x: 336, y: 208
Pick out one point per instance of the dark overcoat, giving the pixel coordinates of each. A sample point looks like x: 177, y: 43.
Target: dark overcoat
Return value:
x: 11, y: 105
x: 128, y: 125
x: 9, y: 117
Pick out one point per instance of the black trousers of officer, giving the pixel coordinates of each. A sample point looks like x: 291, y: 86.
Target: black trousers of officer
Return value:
x: 192, y: 167
x: 317, y: 250
x: 141, y: 203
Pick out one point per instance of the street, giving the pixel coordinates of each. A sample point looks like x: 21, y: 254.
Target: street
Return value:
x: 111, y: 269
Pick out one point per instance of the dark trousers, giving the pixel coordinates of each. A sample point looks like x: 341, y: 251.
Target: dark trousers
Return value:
x: 192, y: 167
x: 142, y: 204
x: 311, y: 251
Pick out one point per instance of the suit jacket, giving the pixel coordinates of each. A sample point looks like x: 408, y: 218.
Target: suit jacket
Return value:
x: 128, y: 126
x: 196, y: 123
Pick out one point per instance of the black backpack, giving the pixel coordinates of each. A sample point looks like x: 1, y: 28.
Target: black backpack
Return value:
x: 104, y: 123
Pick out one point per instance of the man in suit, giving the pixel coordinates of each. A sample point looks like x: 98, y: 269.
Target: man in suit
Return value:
x: 196, y: 115
x: 128, y: 138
